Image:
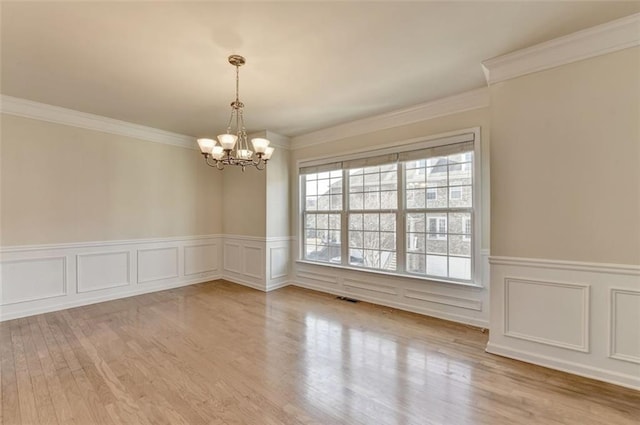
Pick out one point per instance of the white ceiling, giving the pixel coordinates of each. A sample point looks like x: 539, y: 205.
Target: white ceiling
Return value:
x: 310, y: 65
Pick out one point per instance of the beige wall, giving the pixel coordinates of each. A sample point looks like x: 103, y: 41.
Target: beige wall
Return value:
x: 565, y: 167
x: 63, y: 184
x: 243, y: 201
x: 364, y: 142
x: 278, y: 194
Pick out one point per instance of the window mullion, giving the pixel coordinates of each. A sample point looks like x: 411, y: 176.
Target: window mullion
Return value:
x: 344, y: 220
x: 401, y: 229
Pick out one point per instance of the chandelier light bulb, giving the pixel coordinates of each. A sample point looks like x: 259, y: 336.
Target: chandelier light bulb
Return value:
x: 206, y: 145
x: 228, y: 141
x: 267, y: 153
x: 217, y: 152
x: 259, y: 144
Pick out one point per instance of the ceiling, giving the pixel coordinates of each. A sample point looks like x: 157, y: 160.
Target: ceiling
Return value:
x: 310, y: 65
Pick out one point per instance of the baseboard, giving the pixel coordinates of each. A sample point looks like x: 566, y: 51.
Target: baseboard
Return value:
x: 400, y: 306
x: 277, y: 286
x: 134, y: 291
x: 622, y: 380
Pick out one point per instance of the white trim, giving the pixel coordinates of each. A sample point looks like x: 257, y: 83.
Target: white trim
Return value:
x: 474, y: 99
x: 56, y: 114
x: 625, y: 269
x: 334, y: 290
x: 444, y: 299
x: 591, y: 42
x: 136, y: 290
x: 628, y: 381
x: 91, y: 244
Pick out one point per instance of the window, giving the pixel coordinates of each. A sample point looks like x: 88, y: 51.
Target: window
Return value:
x: 408, y: 212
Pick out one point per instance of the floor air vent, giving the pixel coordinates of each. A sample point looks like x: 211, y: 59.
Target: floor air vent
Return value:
x: 351, y: 300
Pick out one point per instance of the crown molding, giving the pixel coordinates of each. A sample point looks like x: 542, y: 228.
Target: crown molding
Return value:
x: 595, y: 41
x: 56, y: 114
x: 474, y: 99
x: 277, y: 140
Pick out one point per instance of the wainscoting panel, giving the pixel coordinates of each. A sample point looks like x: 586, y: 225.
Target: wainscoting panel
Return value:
x: 103, y: 270
x: 279, y: 262
x: 449, y: 301
x: 33, y: 279
x: 253, y: 261
x: 233, y: 257
x: 625, y: 325
x: 260, y: 263
x: 200, y: 259
x: 157, y: 264
x: 564, y: 321
x: 41, y: 278
x: 578, y: 317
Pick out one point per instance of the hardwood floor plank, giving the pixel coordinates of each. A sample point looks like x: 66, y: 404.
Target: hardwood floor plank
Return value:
x: 223, y: 354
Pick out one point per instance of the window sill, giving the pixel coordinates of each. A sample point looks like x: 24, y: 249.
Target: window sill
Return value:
x: 396, y: 275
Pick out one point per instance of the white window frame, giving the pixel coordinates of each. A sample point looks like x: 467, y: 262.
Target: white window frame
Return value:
x: 407, y: 145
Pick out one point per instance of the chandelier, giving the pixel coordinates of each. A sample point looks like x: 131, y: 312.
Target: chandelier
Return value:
x: 234, y: 148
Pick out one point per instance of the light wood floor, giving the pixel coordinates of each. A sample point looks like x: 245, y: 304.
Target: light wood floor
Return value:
x: 219, y: 353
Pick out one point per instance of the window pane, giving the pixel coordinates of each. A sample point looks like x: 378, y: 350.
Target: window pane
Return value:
x: 310, y: 221
x: 389, y: 200
x: 311, y: 203
x: 336, y: 186
x: 389, y: 181
x: 440, y: 198
x: 324, y: 203
x: 356, y: 184
x: 416, y: 242
x: 312, y: 188
x: 459, y: 176
x: 356, y: 239
x: 388, y: 241
x: 437, y: 176
x: 416, y: 263
x: 458, y: 221
x: 356, y: 201
x: 415, y: 198
x: 459, y: 245
x: 437, y: 243
x: 355, y: 221
x: 322, y: 221
x: 334, y: 221
x: 465, y: 199
x: 336, y: 202
x: 371, y: 240
x: 372, y: 201
x: 371, y: 182
x: 460, y: 268
x: 372, y: 258
x: 437, y: 265
x: 356, y: 257
x: 388, y: 222
x: 416, y: 222
x: 371, y: 221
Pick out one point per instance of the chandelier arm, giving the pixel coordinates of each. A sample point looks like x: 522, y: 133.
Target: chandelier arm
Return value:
x: 206, y: 159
